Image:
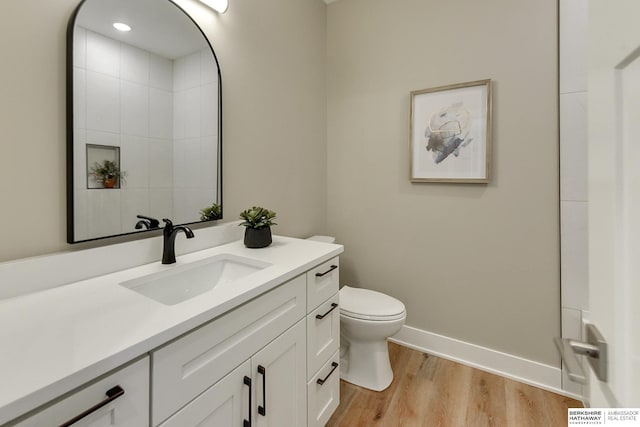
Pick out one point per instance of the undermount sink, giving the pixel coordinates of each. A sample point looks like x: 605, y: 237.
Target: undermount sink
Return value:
x: 182, y: 282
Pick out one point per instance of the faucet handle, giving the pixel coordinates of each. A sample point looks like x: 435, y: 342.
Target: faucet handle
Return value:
x: 153, y: 223
x: 168, y: 223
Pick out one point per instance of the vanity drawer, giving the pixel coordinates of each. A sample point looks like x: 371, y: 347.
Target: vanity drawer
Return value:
x: 323, y: 392
x: 322, y: 282
x: 127, y: 407
x: 323, y: 334
x: 188, y: 366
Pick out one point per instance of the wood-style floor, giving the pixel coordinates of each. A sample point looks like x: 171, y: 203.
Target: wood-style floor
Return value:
x: 433, y: 392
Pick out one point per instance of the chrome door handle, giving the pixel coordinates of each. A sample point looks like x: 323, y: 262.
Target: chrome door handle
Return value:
x: 595, y: 349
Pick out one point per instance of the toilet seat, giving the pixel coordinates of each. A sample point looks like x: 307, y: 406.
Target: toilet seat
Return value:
x: 365, y: 304
x: 372, y: 318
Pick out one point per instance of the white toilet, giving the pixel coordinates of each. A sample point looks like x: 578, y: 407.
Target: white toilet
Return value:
x: 367, y: 319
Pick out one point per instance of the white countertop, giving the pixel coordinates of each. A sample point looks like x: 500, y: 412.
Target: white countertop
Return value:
x: 58, y: 339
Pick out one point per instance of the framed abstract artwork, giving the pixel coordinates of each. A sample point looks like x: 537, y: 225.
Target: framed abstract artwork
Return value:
x: 450, y: 133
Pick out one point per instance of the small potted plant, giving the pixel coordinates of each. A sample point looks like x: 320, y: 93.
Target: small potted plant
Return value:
x: 258, y: 222
x: 108, y: 173
x: 211, y: 213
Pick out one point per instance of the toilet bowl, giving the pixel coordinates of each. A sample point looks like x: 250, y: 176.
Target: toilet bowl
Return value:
x: 367, y: 319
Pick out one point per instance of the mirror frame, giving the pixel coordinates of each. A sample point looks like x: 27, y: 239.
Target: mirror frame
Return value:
x: 70, y: 132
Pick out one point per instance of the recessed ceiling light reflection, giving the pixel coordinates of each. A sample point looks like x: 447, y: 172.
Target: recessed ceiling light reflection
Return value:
x: 121, y: 27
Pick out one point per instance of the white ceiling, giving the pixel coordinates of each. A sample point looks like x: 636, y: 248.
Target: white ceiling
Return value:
x: 149, y: 29
x: 157, y: 26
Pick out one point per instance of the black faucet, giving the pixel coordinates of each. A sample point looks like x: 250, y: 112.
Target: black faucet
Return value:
x: 169, y: 246
x: 147, y: 222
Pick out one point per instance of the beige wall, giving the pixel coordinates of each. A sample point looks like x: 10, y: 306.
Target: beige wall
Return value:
x: 479, y: 263
x: 274, y: 116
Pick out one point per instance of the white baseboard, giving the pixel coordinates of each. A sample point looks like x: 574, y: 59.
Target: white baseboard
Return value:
x: 506, y: 365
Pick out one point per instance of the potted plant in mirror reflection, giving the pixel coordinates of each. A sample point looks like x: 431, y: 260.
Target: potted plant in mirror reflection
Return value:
x: 258, y: 222
x: 108, y: 173
x: 211, y: 213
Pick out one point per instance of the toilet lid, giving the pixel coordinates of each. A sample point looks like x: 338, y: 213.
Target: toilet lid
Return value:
x: 369, y: 305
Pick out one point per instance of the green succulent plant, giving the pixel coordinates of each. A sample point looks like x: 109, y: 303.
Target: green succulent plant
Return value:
x: 211, y: 212
x: 257, y: 217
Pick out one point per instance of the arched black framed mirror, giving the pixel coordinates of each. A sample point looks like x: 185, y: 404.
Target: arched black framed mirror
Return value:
x: 144, y: 119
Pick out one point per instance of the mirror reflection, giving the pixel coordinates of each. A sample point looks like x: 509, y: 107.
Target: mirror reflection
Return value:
x: 144, y: 133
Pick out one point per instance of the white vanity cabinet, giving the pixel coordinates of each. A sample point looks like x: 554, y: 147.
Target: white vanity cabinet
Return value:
x: 323, y: 333
x: 269, y: 389
x: 322, y: 283
x: 286, y: 342
x: 227, y: 403
x: 323, y: 392
x: 323, y: 342
x: 121, y: 399
x: 279, y: 380
x: 261, y: 352
x: 189, y: 365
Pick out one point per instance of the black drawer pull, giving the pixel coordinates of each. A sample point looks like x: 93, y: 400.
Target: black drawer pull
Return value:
x: 112, y: 394
x: 322, y: 316
x: 262, y: 410
x: 247, y: 381
x: 333, y: 267
x: 323, y: 380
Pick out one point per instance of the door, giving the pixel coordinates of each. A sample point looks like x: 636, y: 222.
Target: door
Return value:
x: 614, y: 196
x: 279, y: 378
x: 227, y: 403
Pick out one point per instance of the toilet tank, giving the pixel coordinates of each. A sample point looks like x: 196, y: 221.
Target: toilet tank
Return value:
x: 324, y: 239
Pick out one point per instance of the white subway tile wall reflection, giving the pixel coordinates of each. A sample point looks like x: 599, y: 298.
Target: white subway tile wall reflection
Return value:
x: 156, y: 110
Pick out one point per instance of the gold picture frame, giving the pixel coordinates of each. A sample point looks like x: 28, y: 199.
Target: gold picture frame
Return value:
x: 450, y: 133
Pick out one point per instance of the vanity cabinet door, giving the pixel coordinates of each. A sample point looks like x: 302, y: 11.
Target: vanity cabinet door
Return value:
x: 322, y: 283
x: 323, y: 334
x: 190, y: 365
x: 128, y: 405
x: 279, y: 383
x: 227, y: 403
